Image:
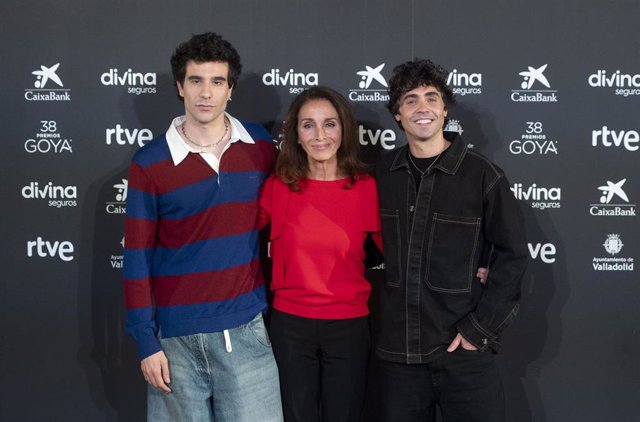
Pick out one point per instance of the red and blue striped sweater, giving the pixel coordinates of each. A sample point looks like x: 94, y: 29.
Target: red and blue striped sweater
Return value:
x: 191, y: 261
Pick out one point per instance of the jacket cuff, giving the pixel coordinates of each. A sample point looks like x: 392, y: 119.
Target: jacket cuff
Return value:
x: 474, y: 333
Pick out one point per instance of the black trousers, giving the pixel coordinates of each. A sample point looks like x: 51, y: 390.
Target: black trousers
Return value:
x: 322, y: 365
x: 465, y: 385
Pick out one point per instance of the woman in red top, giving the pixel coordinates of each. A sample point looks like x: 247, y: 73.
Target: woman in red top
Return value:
x: 322, y: 207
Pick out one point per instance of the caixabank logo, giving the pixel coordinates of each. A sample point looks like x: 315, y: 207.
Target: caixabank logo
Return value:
x: 295, y: 81
x: 534, y: 141
x: 539, y: 197
x: 613, y: 261
x: 47, y: 86
x: 623, y: 84
x: 137, y: 83
x: 372, y: 86
x: 465, y: 83
x: 532, y: 87
x: 56, y: 196
x: 613, y: 201
x: 48, y: 140
x: 118, y: 205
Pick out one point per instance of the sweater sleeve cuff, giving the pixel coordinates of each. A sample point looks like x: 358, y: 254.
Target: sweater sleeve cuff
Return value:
x: 147, y: 346
x: 474, y: 333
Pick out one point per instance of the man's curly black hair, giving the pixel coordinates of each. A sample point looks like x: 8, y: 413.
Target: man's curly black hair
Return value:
x: 207, y: 47
x: 415, y: 73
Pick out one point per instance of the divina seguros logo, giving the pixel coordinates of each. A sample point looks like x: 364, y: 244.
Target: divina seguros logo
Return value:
x: 465, y: 83
x: 624, y: 84
x: 540, y: 197
x: 372, y: 86
x: 530, y: 91
x: 42, y: 91
x: 56, y: 196
x: 614, y: 201
x: 136, y: 82
x: 296, y: 81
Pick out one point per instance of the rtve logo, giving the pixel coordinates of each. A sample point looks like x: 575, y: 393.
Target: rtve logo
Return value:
x: 545, y: 251
x: 610, y: 138
x: 386, y: 138
x: 44, y: 248
x: 124, y: 136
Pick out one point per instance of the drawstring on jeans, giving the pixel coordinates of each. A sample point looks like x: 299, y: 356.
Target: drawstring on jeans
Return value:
x: 227, y: 341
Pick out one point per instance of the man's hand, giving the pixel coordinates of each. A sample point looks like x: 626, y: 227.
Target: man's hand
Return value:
x: 155, y: 369
x: 460, y: 341
x: 482, y: 274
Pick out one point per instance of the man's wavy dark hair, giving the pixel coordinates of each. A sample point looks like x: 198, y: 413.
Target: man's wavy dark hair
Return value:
x: 415, y: 73
x: 207, y: 47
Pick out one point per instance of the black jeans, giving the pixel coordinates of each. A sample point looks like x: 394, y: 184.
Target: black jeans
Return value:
x: 465, y: 385
x: 322, y: 365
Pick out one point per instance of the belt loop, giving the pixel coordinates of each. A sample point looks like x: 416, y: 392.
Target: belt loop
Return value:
x: 227, y: 341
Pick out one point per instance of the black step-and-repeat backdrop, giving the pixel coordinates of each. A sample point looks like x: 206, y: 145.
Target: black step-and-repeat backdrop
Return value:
x: 549, y: 90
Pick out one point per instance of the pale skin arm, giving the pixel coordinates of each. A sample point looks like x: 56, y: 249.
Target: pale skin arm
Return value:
x: 155, y: 369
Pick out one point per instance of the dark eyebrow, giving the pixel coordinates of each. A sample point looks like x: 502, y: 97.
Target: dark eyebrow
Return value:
x: 409, y: 96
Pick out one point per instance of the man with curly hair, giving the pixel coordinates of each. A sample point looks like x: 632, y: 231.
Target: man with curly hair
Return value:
x: 193, y: 285
x: 443, y: 208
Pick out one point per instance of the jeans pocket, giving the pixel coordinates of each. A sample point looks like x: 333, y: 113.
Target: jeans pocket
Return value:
x: 453, y: 247
x: 392, y: 246
x: 259, y: 330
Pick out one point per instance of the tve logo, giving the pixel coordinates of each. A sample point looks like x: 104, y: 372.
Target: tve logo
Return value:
x: 610, y: 138
x: 44, y: 248
x: 386, y: 138
x: 124, y: 136
x: 545, y: 251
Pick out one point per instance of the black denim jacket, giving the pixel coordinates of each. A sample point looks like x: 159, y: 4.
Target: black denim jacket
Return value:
x: 434, y: 242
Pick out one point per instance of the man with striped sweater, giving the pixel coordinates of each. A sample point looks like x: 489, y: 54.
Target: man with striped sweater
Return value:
x: 193, y: 285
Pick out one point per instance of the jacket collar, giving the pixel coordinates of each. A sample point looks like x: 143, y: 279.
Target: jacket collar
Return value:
x: 449, y: 162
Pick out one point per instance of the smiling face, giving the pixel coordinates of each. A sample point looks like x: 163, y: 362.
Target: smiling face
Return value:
x: 422, y: 113
x: 319, y: 131
x: 205, y: 90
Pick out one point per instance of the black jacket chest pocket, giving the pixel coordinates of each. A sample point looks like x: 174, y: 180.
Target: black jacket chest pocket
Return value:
x: 453, y: 245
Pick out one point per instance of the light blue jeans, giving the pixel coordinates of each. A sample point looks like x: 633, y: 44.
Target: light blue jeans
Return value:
x: 219, y: 377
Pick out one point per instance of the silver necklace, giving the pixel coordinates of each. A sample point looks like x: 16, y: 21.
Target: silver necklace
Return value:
x: 422, y: 172
x: 215, y: 144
